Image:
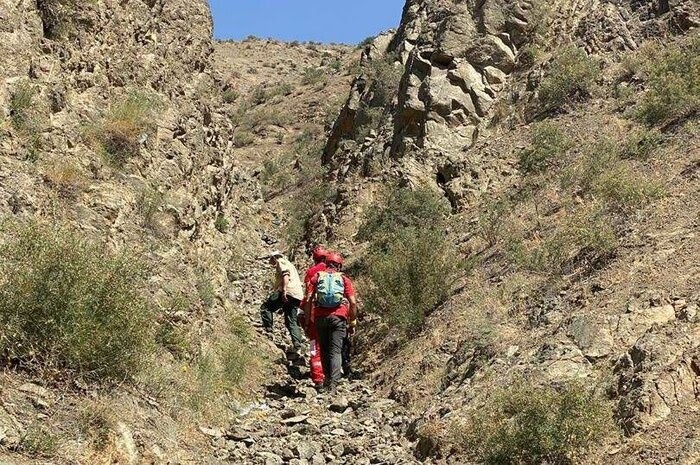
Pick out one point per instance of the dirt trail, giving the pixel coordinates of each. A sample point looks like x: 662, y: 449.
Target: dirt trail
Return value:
x: 294, y: 424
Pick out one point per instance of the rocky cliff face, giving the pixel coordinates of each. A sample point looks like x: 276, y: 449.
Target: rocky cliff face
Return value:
x: 79, y: 83
x: 456, y: 121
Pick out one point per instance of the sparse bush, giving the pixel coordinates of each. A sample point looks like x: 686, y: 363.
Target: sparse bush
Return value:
x: 593, y: 159
x: 528, y: 424
x: 673, y: 90
x: 95, y: 422
x: 624, y: 189
x: 67, y: 179
x: 173, y: 338
x: 385, y: 74
x: 276, y: 175
x: 599, y: 172
x: 243, y: 139
x: 126, y: 127
x: 26, y: 118
x: 313, y: 75
x: 38, y: 441
x: 21, y: 104
x: 640, y: 144
x: 205, y: 289
x: 548, y: 142
x: 60, y: 16
x: 148, y: 204
x: 411, y: 264
x: 66, y: 303
x: 366, y: 41
x: 229, y: 95
x: 420, y: 208
x: 492, y: 221
x: 221, y: 223
x: 302, y: 206
x: 584, y: 241
x: 410, y: 275
x: 224, y: 368
x: 570, y: 77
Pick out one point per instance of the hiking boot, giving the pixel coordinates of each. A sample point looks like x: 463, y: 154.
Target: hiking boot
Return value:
x: 331, y: 388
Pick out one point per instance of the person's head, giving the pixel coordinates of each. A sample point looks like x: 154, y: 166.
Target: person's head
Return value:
x: 274, y: 257
x: 334, y: 260
x: 319, y: 254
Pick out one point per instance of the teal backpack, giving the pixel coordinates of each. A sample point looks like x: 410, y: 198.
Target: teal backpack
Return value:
x: 330, y: 290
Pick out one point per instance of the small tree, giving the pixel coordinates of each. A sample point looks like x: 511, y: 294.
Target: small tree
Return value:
x: 570, y: 77
x: 411, y: 263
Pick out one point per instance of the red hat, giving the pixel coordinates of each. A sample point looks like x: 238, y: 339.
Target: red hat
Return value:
x: 334, y: 257
x: 319, y: 253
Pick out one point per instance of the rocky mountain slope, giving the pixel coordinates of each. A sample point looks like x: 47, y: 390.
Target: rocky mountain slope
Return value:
x: 552, y: 135
x: 566, y: 281
x: 122, y: 123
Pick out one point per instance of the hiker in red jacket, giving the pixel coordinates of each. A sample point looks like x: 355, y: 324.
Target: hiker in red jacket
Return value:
x: 319, y: 257
x: 330, y: 300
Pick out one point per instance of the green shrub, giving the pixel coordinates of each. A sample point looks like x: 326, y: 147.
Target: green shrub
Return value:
x: 583, y: 241
x: 126, y: 126
x: 148, y: 204
x: 385, y: 74
x: 420, y: 208
x: 640, y: 144
x: 263, y: 94
x: 492, y: 221
x: 592, y: 160
x: 243, y: 139
x: 21, y: 105
x: 549, y: 142
x: 66, y: 303
x: 570, y: 77
x: 599, y: 172
x: 95, y: 422
x: 366, y: 41
x: 205, y: 289
x: 313, y: 75
x: 229, y: 95
x: 173, y: 338
x: 38, y: 441
x: 528, y: 424
x: 673, y: 89
x: 225, y: 367
x: 276, y: 175
x: 307, y: 201
x: 410, y: 275
x: 624, y: 189
x: 60, y: 16
x: 221, y: 223
x: 411, y: 264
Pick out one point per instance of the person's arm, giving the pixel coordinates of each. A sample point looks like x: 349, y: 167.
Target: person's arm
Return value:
x: 352, y: 310
x: 308, y: 305
x: 285, y: 284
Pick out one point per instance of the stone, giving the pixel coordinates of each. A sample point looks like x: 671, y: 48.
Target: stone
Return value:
x: 211, y: 432
x: 295, y: 420
x: 595, y: 340
x: 339, y: 405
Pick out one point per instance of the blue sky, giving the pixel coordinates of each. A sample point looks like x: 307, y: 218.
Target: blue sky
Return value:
x: 342, y: 21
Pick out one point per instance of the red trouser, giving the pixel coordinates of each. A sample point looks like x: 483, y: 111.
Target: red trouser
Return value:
x: 315, y: 361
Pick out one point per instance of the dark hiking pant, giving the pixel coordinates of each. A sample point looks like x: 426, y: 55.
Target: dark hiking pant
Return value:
x: 347, y: 355
x: 290, y: 309
x: 331, y: 333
